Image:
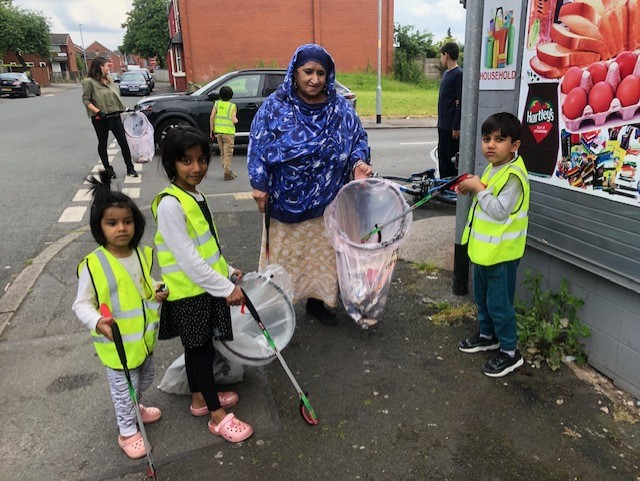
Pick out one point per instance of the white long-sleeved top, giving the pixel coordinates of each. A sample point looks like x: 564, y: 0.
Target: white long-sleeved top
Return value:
x: 172, y: 225
x: 85, y: 304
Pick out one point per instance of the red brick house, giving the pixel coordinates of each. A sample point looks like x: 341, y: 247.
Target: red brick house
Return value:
x: 211, y: 37
x: 63, y: 58
x: 96, y: 49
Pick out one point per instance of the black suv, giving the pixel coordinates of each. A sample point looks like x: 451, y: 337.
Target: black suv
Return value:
x: 250, y: 89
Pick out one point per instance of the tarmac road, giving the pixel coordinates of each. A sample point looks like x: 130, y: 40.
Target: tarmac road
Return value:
x: 396, y: 403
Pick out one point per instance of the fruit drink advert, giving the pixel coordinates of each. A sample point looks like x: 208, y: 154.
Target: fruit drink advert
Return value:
x: 580, y: 96
x: 500, y: 26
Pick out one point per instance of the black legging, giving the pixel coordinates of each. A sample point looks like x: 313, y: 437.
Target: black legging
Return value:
x: 113, y: 124
x: 198, y: 362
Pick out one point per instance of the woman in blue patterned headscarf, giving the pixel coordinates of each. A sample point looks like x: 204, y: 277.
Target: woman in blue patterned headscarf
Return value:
x: 306, y: 142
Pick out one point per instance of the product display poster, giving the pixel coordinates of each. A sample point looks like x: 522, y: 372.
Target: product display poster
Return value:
x: 500, y: 27
x: 580, y: 96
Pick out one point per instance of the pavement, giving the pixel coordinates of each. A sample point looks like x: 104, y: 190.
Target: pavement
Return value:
x: 399, y: 402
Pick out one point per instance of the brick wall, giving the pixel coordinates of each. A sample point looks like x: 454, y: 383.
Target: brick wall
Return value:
x: 222, y: 35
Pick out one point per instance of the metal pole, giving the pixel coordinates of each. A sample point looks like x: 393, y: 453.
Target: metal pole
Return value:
x: 84, y: 52
x: 379, y: 87
x: 468, y: 128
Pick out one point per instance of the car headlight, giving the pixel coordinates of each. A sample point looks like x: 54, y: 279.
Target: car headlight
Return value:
x: 146, y: 106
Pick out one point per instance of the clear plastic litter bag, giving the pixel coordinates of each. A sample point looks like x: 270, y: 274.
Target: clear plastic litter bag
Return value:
x: 225, y: 371
x: 365, y: 269
x: 139, y: 133
x: 270, y: 292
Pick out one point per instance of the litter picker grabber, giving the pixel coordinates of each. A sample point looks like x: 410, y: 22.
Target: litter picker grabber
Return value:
x: 429, y: 195
x: 306, y: 411
x: 117, y: 339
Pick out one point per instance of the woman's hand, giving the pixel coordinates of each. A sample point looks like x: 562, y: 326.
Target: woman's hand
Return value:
x: 362, y: 171
x: 104, y: 327
x: 261, y: 199
x: 236, y: 298
x: 470, y: 185
x: 237, y: 274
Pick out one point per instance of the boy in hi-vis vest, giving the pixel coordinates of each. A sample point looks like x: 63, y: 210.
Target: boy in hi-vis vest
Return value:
x: 223, y: 128
x: 496, y: 233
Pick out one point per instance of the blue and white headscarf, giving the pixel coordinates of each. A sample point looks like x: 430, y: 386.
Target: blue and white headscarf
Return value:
x: 302, y: 154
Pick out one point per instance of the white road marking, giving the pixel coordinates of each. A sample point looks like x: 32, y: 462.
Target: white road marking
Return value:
x: 132, y: 180
x: 242, y: 195
x: 73, y: 214
x: 83, y: 195
x: 133, y: 192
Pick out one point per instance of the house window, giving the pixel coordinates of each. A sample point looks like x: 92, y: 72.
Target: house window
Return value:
x: 178, y: 65
x: 55, y: 48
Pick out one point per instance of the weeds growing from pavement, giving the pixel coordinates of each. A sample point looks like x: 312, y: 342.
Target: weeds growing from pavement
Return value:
x: 449, y: 315
x: 548, y: 325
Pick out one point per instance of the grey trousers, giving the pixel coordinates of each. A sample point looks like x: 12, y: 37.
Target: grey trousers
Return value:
x: 141, y: 377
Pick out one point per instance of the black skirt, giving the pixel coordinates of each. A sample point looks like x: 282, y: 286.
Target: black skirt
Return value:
x: 196, y: 320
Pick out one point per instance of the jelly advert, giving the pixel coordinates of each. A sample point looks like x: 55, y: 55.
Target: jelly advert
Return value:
x: 580, y: 96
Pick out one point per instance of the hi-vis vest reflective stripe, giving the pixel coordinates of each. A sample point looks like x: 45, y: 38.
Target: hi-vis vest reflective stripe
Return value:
x: 137, y: 318
x: 179, y: 284
x: 491, y: 241
x: 223, y: 122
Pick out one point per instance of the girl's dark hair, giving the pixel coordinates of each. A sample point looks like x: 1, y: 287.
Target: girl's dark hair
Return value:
x: 507, y: 124
x: 103, y: 199
x: 176, y: 143
x: 94, y: 71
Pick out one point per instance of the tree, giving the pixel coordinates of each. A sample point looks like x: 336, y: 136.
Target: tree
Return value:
x: 147, y: 29
x: 409, y: 44
x: 24, y: 31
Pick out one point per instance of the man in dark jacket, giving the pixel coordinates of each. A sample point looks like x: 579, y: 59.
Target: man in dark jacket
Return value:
x: 449, y: 108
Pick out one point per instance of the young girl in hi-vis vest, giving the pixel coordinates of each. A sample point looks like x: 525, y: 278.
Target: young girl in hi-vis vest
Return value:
x: 198, y: 277
x: 118, y: 274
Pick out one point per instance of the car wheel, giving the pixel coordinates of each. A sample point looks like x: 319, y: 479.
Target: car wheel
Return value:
x: 38, y: 92
x: 24, y: 92
x: 164, y: 127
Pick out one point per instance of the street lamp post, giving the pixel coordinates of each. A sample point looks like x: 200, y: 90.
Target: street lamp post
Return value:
x: 379, y: 87
x: 84, y: 52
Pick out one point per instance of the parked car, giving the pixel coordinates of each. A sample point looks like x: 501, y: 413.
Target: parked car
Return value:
x: 114, y: 76
x: 151, y: 79
x: 250, y: 88
x: 134, y: 83
x: 18, y: 84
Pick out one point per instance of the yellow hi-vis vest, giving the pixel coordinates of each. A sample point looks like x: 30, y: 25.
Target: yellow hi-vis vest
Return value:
x: 137, y: 318
x: 222, y: 122
x: 491, y: 241
x: 179, y: 284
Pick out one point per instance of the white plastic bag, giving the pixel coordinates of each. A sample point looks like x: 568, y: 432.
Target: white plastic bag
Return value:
x: 139, y: 133
x: 365, y: 269
x: 225, y: 371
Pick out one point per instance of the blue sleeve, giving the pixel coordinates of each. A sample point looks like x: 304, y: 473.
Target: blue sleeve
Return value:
x: 458, y: 91
x: 256, y: 162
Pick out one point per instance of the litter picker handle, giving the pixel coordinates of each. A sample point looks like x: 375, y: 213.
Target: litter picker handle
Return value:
x: 117, y: 338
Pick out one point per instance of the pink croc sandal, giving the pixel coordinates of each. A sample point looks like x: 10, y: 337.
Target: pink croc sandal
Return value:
x: 231, y: 429
x: 150, y: 414
x: 227, y: 399
x: 133, y: 446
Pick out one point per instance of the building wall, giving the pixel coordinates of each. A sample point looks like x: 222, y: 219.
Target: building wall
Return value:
x: 265, y: 33
x: 593, y: 244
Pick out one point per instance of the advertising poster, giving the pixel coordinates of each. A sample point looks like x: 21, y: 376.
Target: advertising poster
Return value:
x: 580, y: 96
x: 500, y: 27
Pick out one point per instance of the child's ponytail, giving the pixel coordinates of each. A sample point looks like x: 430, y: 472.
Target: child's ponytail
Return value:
x: 105, y: 198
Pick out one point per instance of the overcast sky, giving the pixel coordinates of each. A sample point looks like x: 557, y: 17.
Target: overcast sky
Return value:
x: 101, y: 20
